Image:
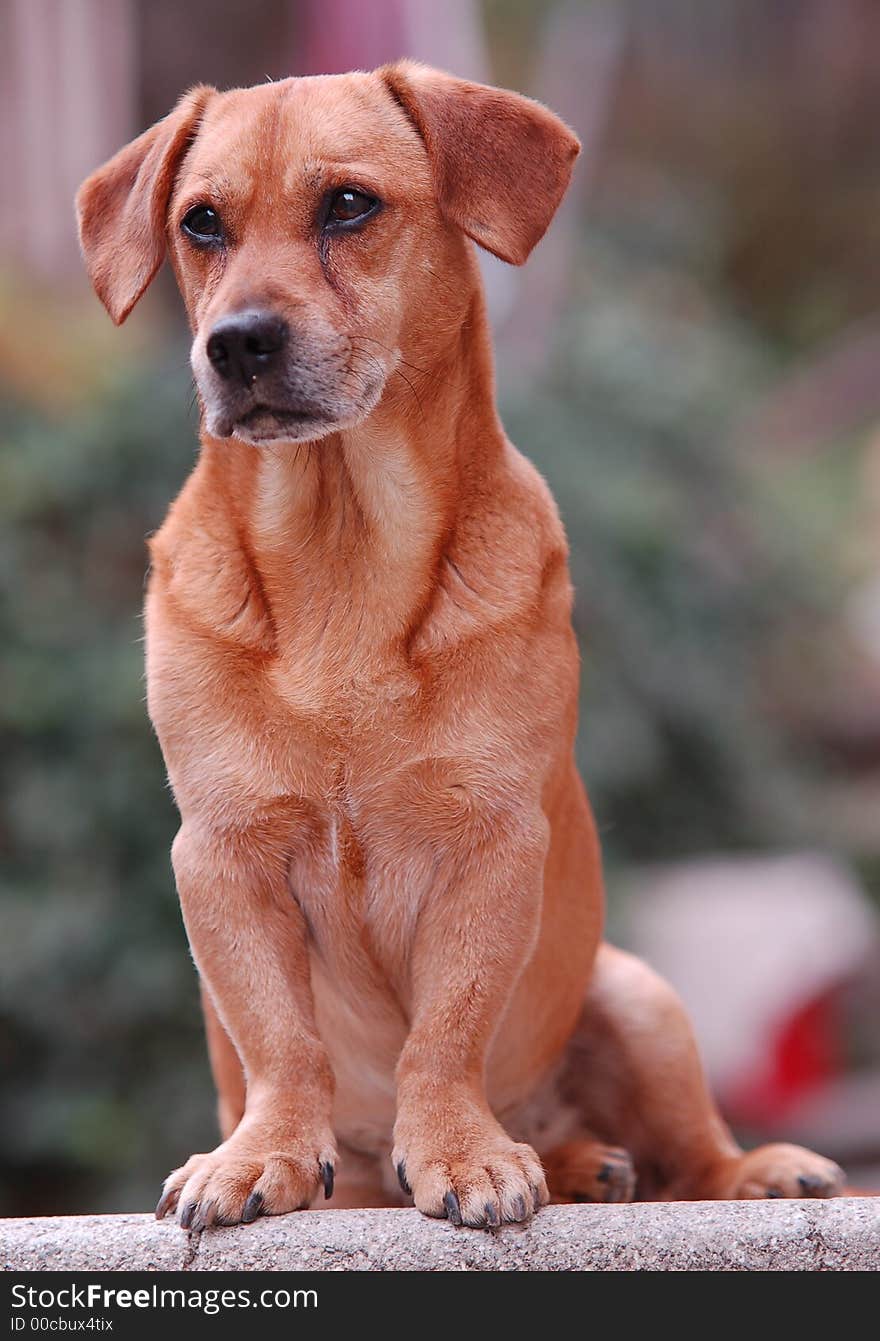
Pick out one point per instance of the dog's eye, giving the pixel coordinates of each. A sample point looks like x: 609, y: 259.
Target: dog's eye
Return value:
x: 349, y: 205
x: 202, y: 225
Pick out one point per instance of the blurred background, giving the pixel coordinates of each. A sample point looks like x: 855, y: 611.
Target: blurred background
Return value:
x: 692, y: 358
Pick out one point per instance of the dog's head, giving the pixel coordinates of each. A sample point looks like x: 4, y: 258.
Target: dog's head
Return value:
x: 316, y: 228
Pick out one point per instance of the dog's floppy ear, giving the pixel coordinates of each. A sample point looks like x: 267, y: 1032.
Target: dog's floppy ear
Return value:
x: 501, y: 162
x: 121, y: 208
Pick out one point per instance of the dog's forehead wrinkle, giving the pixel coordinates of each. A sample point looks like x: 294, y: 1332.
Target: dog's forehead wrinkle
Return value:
x: 221, y: 186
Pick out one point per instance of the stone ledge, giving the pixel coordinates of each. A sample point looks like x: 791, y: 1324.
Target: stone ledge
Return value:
x: 775, y: 1235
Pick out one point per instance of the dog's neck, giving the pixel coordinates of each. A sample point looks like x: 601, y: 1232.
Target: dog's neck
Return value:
x: 357, y: 525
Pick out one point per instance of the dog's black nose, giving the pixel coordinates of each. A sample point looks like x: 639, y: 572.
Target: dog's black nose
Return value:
x: 247, y: 344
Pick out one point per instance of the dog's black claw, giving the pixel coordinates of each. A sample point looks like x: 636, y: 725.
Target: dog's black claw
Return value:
x: 252, y: 1208
x: 187, y: 1214
x: 491, y: 1215
x: 519, y: 1207
x: 327, y: 1176
x: 402, y: 1179
x: 604, y: 1173
x: 164, y: 1205
x: 453, y: 1208
x: 810, y: 1184
x: 772, y: 1192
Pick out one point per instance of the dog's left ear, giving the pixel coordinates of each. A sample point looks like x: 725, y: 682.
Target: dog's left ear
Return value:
x: 501, y: 162
x: 121, y: 208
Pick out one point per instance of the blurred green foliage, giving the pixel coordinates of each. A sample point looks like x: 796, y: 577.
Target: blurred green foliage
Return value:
x: 99, y: 1027
x: 693, y: 560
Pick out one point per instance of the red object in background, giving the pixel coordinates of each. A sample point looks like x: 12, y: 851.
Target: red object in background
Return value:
x: 763, y: 949
x: 806, y: 1052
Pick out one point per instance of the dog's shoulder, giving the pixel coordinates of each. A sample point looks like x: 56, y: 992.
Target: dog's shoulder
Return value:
x: 504, y: 566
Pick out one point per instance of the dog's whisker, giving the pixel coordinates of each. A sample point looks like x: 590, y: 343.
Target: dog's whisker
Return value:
x: 405, y: 379
x: 396, y: 371
x: 425, y: 372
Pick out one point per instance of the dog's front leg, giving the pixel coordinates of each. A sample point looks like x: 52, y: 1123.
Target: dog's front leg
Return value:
x: 475, y: 933
x: 249, y: 941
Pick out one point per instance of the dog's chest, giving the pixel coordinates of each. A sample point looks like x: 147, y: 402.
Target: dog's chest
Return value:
x: 360, y: 882
x: 349, y: 774
x: 359, y: 873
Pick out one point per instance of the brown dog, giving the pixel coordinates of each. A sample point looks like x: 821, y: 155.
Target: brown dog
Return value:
x: 364, y: 679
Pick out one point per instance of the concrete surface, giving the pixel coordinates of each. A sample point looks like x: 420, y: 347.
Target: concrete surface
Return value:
x: 776, y: 1235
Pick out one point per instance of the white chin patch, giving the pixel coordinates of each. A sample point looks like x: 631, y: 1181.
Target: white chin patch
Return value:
x: 266, y: 428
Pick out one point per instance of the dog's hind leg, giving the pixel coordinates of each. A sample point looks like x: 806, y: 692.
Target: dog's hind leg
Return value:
x: 587, y: 1169
x: 633, y: 1073
x: 226, y: 1068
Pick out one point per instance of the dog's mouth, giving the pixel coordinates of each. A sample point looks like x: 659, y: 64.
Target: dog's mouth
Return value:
x: 270, y: 423
x: 296, y: 402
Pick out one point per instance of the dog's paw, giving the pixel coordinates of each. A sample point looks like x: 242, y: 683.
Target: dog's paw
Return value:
x: 481, y: 1182
x: 781, y: 1171
x: 242, y: 1180
x: 587, y: 1170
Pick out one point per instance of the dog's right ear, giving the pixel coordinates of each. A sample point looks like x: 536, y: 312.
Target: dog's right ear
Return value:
x: 121, y: 208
